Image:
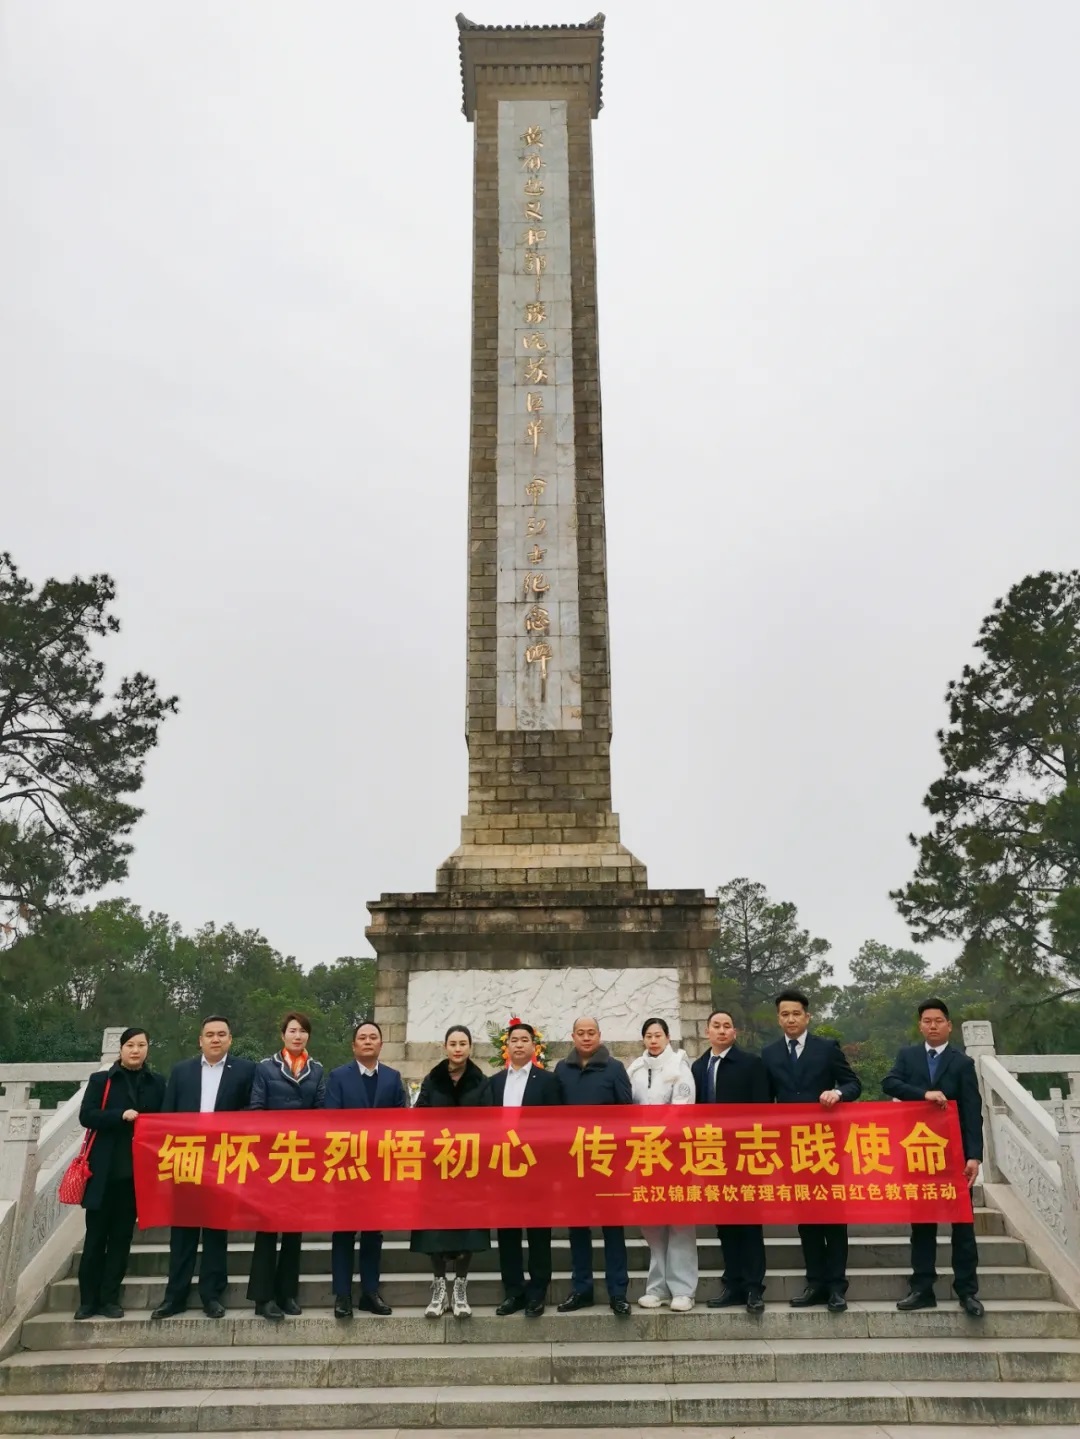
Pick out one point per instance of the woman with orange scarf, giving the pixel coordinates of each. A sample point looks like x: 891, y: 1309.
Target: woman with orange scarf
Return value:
x: 289, y: 1079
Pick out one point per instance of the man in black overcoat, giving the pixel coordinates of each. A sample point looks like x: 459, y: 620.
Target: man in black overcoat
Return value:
x: 726, y: 1074
x: 804, y: 1069
x: 209, y: 1084
x: 522, y: 1084
x: 934, y: 1070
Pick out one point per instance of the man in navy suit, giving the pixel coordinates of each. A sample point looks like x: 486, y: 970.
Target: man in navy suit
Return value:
x: 726, y: 1074
x: 363, y: 1084
x: 211, y: 1083
x: 521, y: 1084
x: 804, y: 1069
x: 934, y: 1070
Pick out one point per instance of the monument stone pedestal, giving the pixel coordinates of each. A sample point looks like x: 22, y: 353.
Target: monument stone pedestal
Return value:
x: 541, y: 910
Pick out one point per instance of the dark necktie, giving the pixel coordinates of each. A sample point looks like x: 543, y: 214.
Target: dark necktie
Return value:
x: 933, y: 1059
x: 714, y: 1070
x: 793, y: 1048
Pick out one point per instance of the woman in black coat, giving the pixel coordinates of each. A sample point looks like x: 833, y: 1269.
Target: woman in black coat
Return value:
x: 109, y: 1201
x: 453, y: 1083
x: 289, y: 1079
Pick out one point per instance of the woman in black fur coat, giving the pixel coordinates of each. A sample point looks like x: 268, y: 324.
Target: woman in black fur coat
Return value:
x: 455, y: 1082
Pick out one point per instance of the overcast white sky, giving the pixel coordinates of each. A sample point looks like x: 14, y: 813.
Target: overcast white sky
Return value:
x: 839, y: 289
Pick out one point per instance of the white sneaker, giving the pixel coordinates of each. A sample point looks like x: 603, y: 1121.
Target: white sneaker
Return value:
x: 682, y: 1304
x: 651, y: 1301
x: 439, y: 1302
x: 461, y: 1300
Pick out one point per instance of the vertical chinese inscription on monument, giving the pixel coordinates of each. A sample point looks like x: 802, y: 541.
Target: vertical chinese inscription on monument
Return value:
x: 539, y: 664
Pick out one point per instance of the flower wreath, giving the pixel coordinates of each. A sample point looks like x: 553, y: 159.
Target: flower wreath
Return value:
x: 500, y: 1058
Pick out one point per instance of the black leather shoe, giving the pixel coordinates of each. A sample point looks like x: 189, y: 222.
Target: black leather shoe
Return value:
x: 809, y: 1296
x: 576, y: 1301
x: 291, y: 1308
x: 755, y: 1301
x: 270, y: 1310
x: 918, y: 1299
x: 837, y: 1301
x: 534, y: 1311
x: 620, y: 1306
x: 168, y: 1311
x: 87, y: 1311
x: 512, y: 1305
x: 214, y: 1309
x: 342, y: 1306
x: 726, y: 1299
x: 972, y: 1305
x: 374, y: 1304
x: 112, y: 1311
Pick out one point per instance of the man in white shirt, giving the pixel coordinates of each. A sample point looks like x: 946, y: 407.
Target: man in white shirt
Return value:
x: 522, y: 1084
x: 213, y: 1082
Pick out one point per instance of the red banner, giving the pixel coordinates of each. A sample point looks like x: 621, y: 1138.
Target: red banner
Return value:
x: 328, y: 1169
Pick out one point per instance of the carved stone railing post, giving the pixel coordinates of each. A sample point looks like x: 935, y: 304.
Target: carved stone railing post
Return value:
x: 979, y: 1041
x: 1068, y: 1128
x: 19, y: 1130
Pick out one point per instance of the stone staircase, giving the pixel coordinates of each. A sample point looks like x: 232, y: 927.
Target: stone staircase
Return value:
x: 870, y: 1366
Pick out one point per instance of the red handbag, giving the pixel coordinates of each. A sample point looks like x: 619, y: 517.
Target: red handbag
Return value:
x: 72, y: 1187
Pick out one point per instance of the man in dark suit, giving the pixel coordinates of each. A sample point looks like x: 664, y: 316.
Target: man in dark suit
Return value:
x: 726, y: 1074
x: 522, y: 1084
x: 804, y: 1069
x: 210, y: 1084
x: 934, y: 1070
x: 363, y: 1084
x: 591, y: 1075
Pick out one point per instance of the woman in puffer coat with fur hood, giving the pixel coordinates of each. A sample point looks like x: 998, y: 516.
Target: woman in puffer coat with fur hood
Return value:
x: 662, y: 1076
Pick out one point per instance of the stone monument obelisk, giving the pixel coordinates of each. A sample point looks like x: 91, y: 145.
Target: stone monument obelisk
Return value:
x: 540, y: 910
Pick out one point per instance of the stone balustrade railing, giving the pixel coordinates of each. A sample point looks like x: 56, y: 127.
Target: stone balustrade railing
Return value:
x: 1032, y: 1146
x: 35, y: 1150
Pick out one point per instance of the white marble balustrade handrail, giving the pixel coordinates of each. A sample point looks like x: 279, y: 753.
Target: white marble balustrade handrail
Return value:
x: 48, y: 1073
x: 62, y: 1127
x: 1040, y: 1063
x: 1023, y: 1107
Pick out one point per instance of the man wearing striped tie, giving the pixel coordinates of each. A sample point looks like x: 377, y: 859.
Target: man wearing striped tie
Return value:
x: 934, y: 1070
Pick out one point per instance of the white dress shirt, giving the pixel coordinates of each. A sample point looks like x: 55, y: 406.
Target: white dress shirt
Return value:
x: 516, y: 1080
x: 364, y: 1069
x: 938, y: 1049
x: 209, y: 1083
x: 800, y: 1044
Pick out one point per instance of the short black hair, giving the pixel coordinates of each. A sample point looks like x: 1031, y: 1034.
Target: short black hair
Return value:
x: 215, y: 1019
x: 520, y: 1024
x: 933, y: 1004
x: 655, y: 1020
x: 360, y: 1024
x: 721, y: 1011
x: 792, y: 996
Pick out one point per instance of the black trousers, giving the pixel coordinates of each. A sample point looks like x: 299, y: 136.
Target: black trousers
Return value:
x: 512, y: 1264
x: 744, y: 1256
x: 965, y: 1258
x: 275, y: 1271
x: 107, y: 1245
x: 824, y: 1248
x: 213, y: 1267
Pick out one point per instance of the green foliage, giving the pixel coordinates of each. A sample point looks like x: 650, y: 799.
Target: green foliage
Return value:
x: 1001, y: 868
x: 70, y: 758
x: 78, y: 972
x: 760, y: 949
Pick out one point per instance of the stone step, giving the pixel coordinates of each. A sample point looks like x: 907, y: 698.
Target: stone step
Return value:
x: 866, y: 1252
x: 987, y: 1221
x: 768, y: 1431
x: 1016, y: 1318
x: 995, y: 1282
x: 702, y: 1362
x: 546, y: 1405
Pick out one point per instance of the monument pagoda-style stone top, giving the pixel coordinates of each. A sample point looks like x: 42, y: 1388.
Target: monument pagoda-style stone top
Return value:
x: 540, y: 911
x: 538, y: 719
